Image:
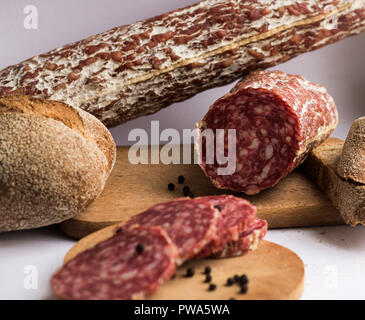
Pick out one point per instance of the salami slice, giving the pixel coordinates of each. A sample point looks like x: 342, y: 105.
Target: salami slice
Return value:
x: 278, y: 118
x: 129, y: 265
x: 248, y: 241
x: 190, y: 223
x: 236, y: 216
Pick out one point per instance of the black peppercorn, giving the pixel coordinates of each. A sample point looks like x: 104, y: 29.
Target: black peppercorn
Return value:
x: 139, y: 248
x: 244, y: 289
x: 186, y: 191
x: 243, y: 279
x: 212, y: 287
x: 181, y: 179
x: 191, y: 195
x: 207, y: 270
x: 218, y: 208
x: 236, y: 278
x: 230, y: 282
x: 171, y: 186
x: 118, y: 230
x: 190, y: 272
x: 208, y: 278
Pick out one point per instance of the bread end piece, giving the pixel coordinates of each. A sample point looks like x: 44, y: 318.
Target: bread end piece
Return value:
x: 351, y: 165
x: 348, y: 197
x: 54, y: 161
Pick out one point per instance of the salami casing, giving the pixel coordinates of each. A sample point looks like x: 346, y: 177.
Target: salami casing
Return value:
x: 278, y: 118
x: 137, y: 69
x: 190, y: 223
x: 129, y: 265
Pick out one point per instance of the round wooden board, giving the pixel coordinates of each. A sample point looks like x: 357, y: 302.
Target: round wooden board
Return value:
x: 274, y: 272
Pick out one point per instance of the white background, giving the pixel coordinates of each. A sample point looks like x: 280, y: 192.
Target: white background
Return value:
x: 334, y: 256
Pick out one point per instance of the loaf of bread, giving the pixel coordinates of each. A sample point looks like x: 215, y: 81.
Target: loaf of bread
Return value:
x: 346, y: 195
x: 351, y: 165
x: 137, y: 69
x: 54, y: 161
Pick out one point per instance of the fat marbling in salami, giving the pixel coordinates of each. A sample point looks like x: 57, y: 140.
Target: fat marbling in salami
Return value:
x: 278, y: 118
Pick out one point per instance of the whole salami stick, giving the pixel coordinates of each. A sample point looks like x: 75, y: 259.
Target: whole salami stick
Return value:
x: 137, y: 69
x: 278, y: 118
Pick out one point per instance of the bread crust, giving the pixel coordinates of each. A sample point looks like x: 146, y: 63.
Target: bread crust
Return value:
x: 351, y: 165
x: 54, y: 161
x: 347, y: 196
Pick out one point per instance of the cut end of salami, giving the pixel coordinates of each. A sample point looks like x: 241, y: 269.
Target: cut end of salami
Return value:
x: 278, y: 118
x: 129, y: 265
x: 248, y: 241
x: 236, y: 216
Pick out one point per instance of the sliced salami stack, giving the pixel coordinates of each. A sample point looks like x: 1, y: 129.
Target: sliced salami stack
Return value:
x: 144, y: 252
x: 203, y: 227
x: 278, y: 118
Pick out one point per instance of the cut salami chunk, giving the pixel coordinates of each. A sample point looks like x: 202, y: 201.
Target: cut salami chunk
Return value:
x: 129, y: 265
x: 190, y: 223
x: 278, y: 118
x: 248, y: 241
x: 236, y: 216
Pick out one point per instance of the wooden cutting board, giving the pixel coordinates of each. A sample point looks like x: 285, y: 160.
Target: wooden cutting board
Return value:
x: 131, y: 189
x: 274, y: 272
